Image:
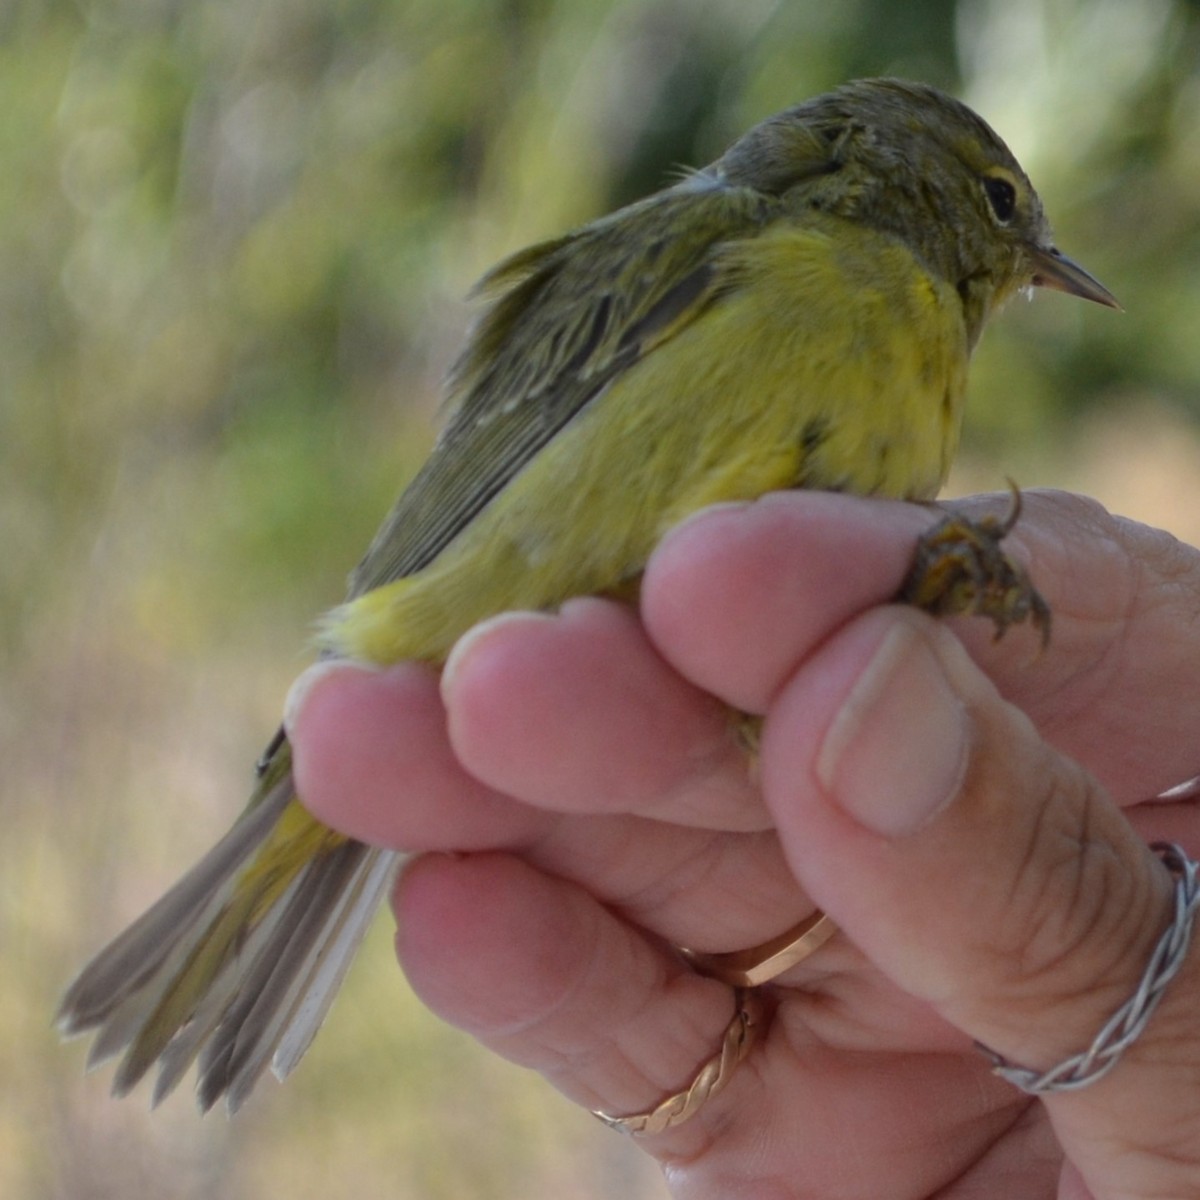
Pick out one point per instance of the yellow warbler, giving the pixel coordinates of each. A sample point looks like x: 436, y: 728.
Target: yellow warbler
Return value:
x: 798, y: 314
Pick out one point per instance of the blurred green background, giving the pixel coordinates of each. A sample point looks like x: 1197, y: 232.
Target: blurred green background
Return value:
x: 234, y: 235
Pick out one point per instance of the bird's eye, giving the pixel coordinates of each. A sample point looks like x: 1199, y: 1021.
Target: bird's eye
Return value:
x: 1002, y: 196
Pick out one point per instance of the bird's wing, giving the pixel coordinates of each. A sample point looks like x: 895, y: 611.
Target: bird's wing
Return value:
x: 564, y: 318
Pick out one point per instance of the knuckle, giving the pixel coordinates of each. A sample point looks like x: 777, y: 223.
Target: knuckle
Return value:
x: 1075, y: 917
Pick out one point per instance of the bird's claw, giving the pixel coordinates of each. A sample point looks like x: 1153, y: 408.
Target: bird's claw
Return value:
x: 960, y: 569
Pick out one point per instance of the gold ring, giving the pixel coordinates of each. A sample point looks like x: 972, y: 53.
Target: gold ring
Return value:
x: 740, y: 1035
x: 760, y: 964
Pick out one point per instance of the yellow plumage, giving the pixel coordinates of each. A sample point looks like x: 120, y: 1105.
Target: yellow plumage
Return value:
x: 798, y: 314
x: 831, y: 305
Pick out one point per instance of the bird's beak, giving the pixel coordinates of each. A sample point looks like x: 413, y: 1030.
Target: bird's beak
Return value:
x: 1053, y: 269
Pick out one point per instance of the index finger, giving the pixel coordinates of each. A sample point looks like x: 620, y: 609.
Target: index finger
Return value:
x: 736, y: 597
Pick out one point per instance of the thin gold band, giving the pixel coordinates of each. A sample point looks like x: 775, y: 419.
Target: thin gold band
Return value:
x: 740, y: 1035
x: 760, y: 964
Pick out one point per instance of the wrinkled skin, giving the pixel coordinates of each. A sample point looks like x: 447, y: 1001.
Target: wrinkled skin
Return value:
x: 973, y: 814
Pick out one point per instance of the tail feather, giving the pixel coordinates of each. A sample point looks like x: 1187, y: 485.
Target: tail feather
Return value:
x: 284, y: 993
x: 181, y: 1051
x: 328, y: 958
x: 331, y: 958
x: 124, y: 968
x: 237, y: 964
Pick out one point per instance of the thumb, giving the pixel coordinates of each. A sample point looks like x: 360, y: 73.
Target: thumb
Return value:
x: 990, y: 876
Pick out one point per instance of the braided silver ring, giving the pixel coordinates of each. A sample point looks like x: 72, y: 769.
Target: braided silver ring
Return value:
x: 1125, y: 1026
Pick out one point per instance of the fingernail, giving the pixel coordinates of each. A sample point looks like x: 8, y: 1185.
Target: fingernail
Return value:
x: 476, y: 634
x: 703, y: 514
x: 896, y: 753
x: 304, y: 683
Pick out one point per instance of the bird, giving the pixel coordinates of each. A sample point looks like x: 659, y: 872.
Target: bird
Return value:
x: 800, y: 313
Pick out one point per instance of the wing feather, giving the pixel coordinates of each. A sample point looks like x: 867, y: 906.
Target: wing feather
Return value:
x: 565, y: 318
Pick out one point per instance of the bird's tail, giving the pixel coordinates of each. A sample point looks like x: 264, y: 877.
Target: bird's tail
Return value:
x: 239, y: 962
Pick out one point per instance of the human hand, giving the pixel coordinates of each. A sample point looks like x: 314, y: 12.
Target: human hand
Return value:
x: 929, y: 799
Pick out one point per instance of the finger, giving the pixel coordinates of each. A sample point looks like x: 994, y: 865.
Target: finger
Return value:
x: 736, y: 597
x: 576, y: 712
x: 540, y: 972
x: 1119, y: 671
x: 1175, y: 820
x: 984, y: 873
x: 371, y: 759
x: 713, y: 892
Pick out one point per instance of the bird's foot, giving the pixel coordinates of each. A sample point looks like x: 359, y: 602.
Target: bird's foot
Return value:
x: 960, y: 569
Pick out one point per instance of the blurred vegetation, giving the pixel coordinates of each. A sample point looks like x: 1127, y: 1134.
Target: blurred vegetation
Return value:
x: 234, y: 235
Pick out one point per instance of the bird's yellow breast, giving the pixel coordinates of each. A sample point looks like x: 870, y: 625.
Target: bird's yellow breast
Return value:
x: 832, y: 360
